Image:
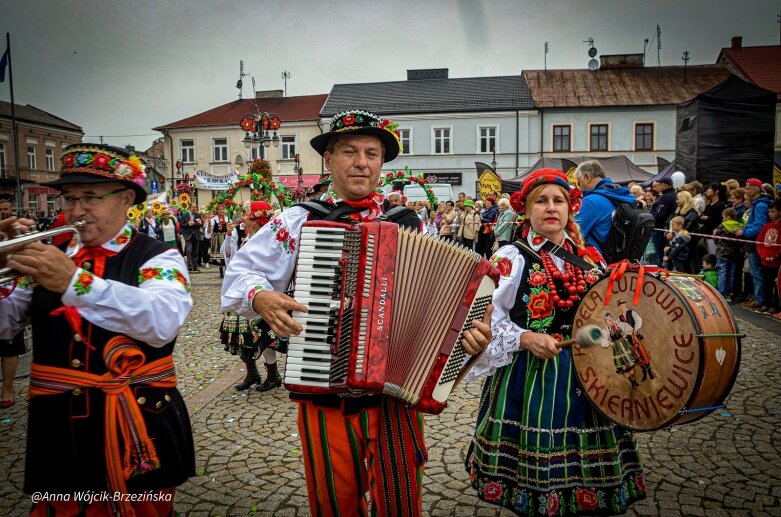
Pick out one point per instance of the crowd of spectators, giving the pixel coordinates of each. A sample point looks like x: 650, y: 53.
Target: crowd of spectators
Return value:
x: 743, y: 255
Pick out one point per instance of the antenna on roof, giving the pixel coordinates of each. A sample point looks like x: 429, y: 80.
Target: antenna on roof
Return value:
x: 547, y: 49
x: 286, y: 75
x: 242, y: 75
x: 685, y: 58
x: 645, y: 48
x: 593, y: 64
x: 658, y: 45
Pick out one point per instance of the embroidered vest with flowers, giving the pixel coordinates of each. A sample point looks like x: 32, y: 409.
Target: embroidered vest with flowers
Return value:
x: 540, y: 296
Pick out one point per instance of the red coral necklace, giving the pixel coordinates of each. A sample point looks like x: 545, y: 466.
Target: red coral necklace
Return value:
x: 574, y: 283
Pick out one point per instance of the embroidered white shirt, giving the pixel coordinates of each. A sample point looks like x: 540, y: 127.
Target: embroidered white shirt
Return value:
x: 153, y: 312
x: 506, y: 334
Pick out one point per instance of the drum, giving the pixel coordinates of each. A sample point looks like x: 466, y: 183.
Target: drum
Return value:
x: 672, y: 358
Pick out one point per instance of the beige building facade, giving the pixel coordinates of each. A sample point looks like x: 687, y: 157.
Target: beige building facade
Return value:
x: 211, y: 144
x: 41, y: 137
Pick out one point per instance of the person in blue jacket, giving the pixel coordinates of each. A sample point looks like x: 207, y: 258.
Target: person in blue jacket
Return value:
x: 600, y: 198
x: 757, y: 218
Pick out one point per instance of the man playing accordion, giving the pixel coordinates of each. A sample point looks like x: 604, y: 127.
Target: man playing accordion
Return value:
x: 349, y: 446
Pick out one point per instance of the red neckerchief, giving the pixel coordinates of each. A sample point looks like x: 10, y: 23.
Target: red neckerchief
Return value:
x: 97, y: 255
x: 372, y: 203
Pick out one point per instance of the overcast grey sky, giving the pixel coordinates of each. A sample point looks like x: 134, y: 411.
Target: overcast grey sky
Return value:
x: 120, y: 67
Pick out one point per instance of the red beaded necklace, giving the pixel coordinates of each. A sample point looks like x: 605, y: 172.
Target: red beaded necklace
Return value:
x: 573, y: 279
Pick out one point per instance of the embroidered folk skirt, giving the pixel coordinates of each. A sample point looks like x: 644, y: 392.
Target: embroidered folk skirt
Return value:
x: 214, y: 253
x: 248, y: 339
x: 540, y: 448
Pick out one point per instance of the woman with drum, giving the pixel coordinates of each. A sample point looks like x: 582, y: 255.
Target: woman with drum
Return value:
x: 540, y: 447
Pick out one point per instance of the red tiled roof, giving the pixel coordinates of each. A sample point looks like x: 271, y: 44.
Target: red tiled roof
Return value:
x: 647, y: 86
x: 759, y: 65
x: 289, y: 109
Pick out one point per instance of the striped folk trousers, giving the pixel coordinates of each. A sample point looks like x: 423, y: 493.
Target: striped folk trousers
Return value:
x: 377, y: 450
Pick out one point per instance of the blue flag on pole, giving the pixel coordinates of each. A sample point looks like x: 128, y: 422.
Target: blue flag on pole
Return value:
x: 3, y: 64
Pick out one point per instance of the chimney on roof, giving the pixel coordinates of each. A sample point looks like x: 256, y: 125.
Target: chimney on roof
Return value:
x: 737, y: 41
x: 427, y: 73
x: 269, y: 94
x: 620, y: 61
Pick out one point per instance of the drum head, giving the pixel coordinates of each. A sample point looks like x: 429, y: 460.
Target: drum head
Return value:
x: 647, y: 364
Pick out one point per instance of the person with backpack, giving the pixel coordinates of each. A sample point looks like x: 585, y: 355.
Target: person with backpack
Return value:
x: 600, y: 199
x: 351, y: 446
x: 757, y: 218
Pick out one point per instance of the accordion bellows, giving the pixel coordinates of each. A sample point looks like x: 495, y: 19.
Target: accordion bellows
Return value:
x: 387, y: 311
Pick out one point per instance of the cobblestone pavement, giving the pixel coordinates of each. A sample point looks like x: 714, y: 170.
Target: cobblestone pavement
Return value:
x: 728, y: 463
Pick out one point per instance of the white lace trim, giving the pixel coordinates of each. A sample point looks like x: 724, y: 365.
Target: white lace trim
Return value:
x: 499, y: 352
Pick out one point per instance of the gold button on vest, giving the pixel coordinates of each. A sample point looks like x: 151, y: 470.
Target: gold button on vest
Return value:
x: 141, y: 401
x: 75, y: 363
x: 77, y: 391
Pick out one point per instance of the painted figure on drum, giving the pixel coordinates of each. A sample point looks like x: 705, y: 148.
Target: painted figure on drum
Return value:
x: 624, y: 355
x: 630, y: 322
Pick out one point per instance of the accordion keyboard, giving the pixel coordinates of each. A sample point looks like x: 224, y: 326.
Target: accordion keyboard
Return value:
x: 319, y: 283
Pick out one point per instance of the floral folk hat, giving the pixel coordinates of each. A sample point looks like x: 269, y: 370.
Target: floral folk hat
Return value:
x: 542, y: 177
x: 260, y: 212
x: 98, y: 163
x: 356, y: 122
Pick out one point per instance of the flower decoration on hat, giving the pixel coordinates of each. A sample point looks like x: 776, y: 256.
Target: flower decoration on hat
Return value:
x: 362, y: 122
x: 98, y: 163
x: 260, y: 211
x: 131, y: 169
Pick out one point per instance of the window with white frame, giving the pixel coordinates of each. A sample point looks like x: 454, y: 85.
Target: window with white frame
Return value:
x: 442, y: 140
x: 256, y: 152
x: 220, y: 150
x: 598, y: 137
x: 288, y: 147
x: 644, y: 137
x: 188, y: 150
x: 3, y: 162
x: 50, y: 206
x: 562, y: 138
x: 49, y: 159
x: 487, y: 139
x: 405, y: 137
x: 32, y: 163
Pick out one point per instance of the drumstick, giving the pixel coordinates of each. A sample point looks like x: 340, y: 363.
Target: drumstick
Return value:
x: 588, y: 335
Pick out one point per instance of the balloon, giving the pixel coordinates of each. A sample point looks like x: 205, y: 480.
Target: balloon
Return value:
x: 678, y: 179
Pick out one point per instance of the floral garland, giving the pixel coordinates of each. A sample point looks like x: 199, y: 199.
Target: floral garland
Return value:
x: 408, y: 175
x: 261, y: 189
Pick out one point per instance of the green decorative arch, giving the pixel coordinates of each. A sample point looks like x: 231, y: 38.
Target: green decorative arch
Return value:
x: 409, y: 175
x: 262, y: 187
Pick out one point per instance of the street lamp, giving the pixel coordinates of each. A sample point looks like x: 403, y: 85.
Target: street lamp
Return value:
x: 493, y: 161
x: 260, y: 128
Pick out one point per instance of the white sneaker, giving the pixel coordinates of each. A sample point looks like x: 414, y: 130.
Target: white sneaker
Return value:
x: 207, y: 265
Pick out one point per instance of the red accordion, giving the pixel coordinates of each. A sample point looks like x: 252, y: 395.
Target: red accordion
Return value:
x: 388, y: 308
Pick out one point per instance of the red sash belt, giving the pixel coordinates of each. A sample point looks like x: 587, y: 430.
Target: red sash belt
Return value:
x: 126, y: 366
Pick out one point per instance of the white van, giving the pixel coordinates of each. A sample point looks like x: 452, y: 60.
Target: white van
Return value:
x: 442, y: 191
